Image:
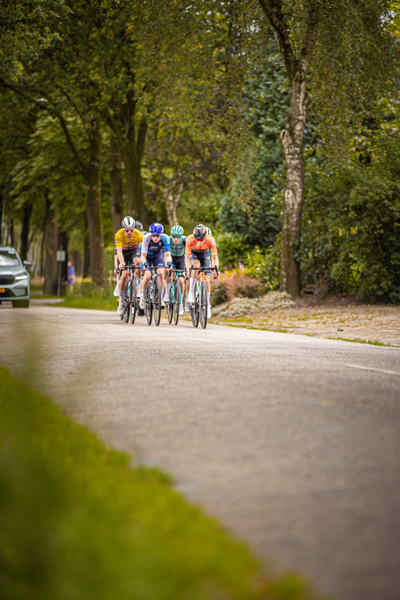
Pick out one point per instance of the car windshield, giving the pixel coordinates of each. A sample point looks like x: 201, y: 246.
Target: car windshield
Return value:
x: 8, y: 258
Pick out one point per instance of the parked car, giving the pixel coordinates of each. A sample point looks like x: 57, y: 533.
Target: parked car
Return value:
x: 14, y: 278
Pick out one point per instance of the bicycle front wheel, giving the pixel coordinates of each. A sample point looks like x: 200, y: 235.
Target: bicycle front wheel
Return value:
x: 177, y: 294
x: 157, y: 302
x: 203, y: 305
x: 194, y: 309
x: 170, y: 306
x: 133, y: 300
x: 127, y: 304
x: 149, y: 305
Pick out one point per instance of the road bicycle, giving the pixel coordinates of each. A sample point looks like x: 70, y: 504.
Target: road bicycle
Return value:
x: 130, y: 302
x: 153, y: 298
x: 198, y: 308
x: 175, y: 296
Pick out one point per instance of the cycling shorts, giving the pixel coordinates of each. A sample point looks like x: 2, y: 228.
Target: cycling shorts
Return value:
x: 179, y: 263
x: 129, y: 255
x: 155, y: 260
x: 204, y: 258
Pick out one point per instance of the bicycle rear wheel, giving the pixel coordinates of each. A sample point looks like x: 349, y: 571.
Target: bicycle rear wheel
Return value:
x: 203, y: 305
x: 177, y: 294
x: 133, y: 300
x: 127, y: 304
x: 157, y: 302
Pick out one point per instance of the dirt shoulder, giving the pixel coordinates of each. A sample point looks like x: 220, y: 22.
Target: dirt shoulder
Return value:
x: 334, y: 317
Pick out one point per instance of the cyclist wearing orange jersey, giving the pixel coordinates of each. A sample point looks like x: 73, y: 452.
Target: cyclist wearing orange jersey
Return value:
x: 199, y: 245
x: 127, y: 242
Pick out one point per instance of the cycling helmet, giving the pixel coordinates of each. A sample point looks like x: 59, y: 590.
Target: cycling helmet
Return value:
x: 199, y: 232
x: 208, y: 231
x: 139, y: 226
x: 176, y: 230
x: 128, y: 223
x: 156, y: 228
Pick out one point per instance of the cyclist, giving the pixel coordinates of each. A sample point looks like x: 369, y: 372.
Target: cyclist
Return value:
x: 127, y: 241
x: 197, y: 254
x: 177, y: 242
x: 154, y: 245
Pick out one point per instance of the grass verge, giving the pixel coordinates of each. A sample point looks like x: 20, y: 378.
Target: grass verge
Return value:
x: 79, y: 522
x: 87, y: 297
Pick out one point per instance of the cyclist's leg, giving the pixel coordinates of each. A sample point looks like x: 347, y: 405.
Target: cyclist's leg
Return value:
x: 195, y: 263
x: 207, y: 276
x: 136, y: 262
x: 179, y: 263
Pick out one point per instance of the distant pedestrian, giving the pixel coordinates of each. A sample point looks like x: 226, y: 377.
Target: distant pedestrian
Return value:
x: 71, y: 276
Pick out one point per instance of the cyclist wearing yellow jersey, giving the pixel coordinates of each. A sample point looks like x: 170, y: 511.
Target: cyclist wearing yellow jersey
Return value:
x: 127, y: 241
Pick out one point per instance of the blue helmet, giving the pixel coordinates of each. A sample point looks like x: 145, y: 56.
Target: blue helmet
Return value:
x: 156, y: 228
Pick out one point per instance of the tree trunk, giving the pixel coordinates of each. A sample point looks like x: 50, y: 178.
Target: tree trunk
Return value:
x: 116, y: 184
x: 171, y: 202
x: 63, y: 244
x: 26, y: 220
x: 51, y: 241
x: 292, y: 139
x: 96, y: 239
x: 134, y: 182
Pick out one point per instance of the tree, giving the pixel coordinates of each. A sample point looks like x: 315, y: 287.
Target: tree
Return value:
x: 317, y: 26
x: 249, y: 209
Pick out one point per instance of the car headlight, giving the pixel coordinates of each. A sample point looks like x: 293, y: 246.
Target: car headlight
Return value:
x: 19, y: 277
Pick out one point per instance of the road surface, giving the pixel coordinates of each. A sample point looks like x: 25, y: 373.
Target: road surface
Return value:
x: 292, y: 442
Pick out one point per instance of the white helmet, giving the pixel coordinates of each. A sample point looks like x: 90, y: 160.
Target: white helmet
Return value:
x: 128, y: 223
x: 208, y: 231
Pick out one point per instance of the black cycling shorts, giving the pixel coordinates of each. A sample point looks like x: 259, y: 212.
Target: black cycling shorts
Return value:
x: 204, y: 258
x: 179, y: 263
x: 129, y: 255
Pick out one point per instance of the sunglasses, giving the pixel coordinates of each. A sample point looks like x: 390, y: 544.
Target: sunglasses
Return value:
x: 177, y: 237
x: 128, y: 230
x: 156, y: 235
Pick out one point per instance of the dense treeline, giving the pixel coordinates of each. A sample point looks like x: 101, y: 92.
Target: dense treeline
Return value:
x: 274, y: 122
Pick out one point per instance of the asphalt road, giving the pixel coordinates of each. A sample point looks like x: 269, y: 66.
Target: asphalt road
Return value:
x: 292, y: 441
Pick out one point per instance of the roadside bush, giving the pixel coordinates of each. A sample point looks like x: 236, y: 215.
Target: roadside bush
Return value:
x: 232, y: 247
x: 236, y: 284
x: 219, y: 293
x: 264, y: 264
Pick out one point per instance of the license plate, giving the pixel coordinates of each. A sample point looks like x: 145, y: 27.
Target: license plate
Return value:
x: 2, y: 290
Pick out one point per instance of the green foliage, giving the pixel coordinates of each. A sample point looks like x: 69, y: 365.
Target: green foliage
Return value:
x: 85, y: 295
x: 351, y: 226
x: 80, y: 521
x: 264, y: 264
x: 249, y: 208
x: 231, y: 248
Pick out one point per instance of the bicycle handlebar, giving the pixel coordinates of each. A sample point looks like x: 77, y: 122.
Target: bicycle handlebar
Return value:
x: 126, y: 268
x: 203, y: 269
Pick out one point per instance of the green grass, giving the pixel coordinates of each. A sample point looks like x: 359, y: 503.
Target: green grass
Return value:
x: 84, y: 296
x: 42, y: 296
x: 80, y: 522
x: 375, y: 343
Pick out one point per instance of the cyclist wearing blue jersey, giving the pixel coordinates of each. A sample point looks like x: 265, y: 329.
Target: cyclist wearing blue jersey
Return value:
x: 154, y: 245
x: 177, y: 243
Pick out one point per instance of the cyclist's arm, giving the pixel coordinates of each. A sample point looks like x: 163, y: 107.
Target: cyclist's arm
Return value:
x: 167, y: 258
x: 214, y: 253
x: 120, y: 256
x: 214, y: 260
x: 188, y: 251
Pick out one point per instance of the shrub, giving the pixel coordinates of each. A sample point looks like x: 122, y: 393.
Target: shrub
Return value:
x: 232, y: 247
x: 219, y: 295
x: 236, y: 284
x: 264, y: 264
